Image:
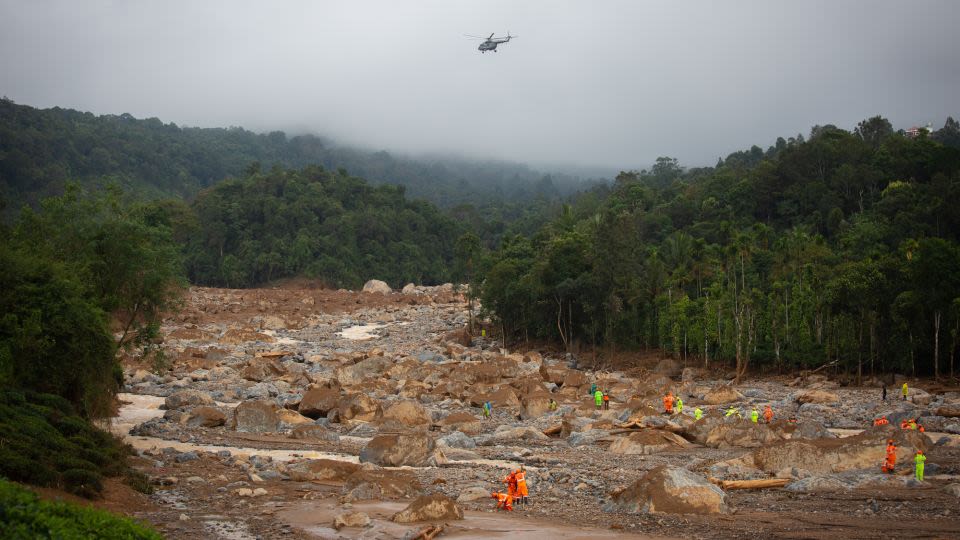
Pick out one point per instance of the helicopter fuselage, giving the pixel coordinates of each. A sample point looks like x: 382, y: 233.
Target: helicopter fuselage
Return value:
x: 488, y: 46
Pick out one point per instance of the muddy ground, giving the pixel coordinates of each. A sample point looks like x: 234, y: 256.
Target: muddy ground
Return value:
x: 272, y: 345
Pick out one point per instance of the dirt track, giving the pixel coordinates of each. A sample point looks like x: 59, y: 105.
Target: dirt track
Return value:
x: 570, y: 483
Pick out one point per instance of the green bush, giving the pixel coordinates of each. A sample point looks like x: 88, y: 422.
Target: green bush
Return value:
x: 24, y: 516
x: 46, y: 444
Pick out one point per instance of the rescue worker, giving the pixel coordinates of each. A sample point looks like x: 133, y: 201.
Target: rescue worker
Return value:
x: 697, y: 413
x: 904, y: 390
x: 593, y: 388
x: 768, y: 414
x: 668, y: 403
x: 679, y: 405
x: 890, y: 462
x: 732, y: 411
x: 882, y: 421
x: 553, y: 404
x: 511, y: 481
x: 754, y: 415
x: 504, y: 501
x: 606, y: 401
x: 884, y: 396
x: 522, y: 491
x: 919, y: 459
x: 598, y: 398
x: 487, y: 409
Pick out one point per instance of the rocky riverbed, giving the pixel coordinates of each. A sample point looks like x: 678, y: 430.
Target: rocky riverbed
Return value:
x: 304, y: 413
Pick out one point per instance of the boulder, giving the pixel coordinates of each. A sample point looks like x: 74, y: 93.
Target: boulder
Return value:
x: 588, y: 437
x: 436, y: 507
x: 575, y: 379
x: 507, y: 434
x: 399, y: 449
x: 256, y: 417
x: 477, y: 493
x: 648, y: 441
x: 351, y: 519
x: 553, y: 374
x: 864, y: 451
x: 821, y: 397
x: 187, y: 398
x: 356, y: 373
x: 321, y: 469
x: 457, y: 439
x: 376, y: 286
x: 292, y: 418
x: 359, y: 407
x: 716, y: 433
x: 369, y: 484
x: 206, y: 417
x: 535, y: 405
x: 461, y: 421
x: 950, y: 411
x: 262, y: 369
x: 952, y: 489
x: 721, y: 395
x: 688, y: 375
x: 668, y: 367
x: 409, y: 288
x: 313, y: 432
x: 670, y: 490
x: 405, y: 413
x: 460, y: 337
x: 317, y: 402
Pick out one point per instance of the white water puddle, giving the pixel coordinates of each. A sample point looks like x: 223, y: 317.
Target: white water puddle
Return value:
x: 361, y: 332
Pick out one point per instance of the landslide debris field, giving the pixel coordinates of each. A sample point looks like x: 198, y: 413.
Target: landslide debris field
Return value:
x: 304, y: 413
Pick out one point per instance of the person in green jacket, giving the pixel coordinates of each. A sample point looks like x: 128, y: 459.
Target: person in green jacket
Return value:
x: 904, y: 391
x: 732, y: 411
x: 598, y: 398
x: 754, y: 415
x: 697, y: 413
x: 679, y: 404
x: 919, y: 460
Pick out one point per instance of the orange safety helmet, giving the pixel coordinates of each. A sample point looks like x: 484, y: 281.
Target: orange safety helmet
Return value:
x: 889, y: 441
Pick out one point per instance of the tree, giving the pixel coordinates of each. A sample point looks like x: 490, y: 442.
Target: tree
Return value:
x: 874, y: 130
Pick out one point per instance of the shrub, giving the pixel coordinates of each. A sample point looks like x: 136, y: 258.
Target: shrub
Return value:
x: 24, y: 516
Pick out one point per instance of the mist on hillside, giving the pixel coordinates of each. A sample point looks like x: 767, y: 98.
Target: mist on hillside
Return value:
x: 607, y: 87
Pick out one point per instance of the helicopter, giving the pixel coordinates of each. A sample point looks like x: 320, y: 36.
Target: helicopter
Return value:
x: 490, y: 43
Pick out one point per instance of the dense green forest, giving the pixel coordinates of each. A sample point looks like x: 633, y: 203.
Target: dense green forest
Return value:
x: 839, y: 248
x: 321, y: 224
x: 41, y: 150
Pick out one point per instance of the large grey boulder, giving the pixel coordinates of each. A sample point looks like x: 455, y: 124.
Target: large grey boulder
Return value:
x: 376, y: 286
x: 436, y: 507
x: 399, y: 449
x: 670, y: 490
x: 256, y: 417
x: 187, y: 398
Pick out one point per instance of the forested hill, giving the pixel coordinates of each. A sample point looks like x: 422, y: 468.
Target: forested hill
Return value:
x: 844, y: 247
x: 42, y: 149
x: 325, y: 225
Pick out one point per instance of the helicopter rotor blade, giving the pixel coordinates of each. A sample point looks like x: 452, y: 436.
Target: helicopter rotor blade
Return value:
x: 474, y: 37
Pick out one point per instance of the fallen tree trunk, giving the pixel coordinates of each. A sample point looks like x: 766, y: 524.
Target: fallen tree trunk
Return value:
x: 751, y: 484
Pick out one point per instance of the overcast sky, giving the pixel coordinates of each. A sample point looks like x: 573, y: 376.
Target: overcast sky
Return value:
x: 613, y: 83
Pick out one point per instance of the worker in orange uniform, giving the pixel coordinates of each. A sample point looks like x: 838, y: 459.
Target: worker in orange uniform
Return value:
x: 511, y: 481
x: 504, y: 501
x: 768, y: 413
x: 891, y: 460
x: 668, y: 403
x: 606, y: 401
x: 522, y: 491
x: 882, y: 421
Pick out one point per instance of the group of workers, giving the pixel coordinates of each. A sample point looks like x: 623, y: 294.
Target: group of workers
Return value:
x: 890, y: 462
x: 517, y: 490
x: 517, y: 485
